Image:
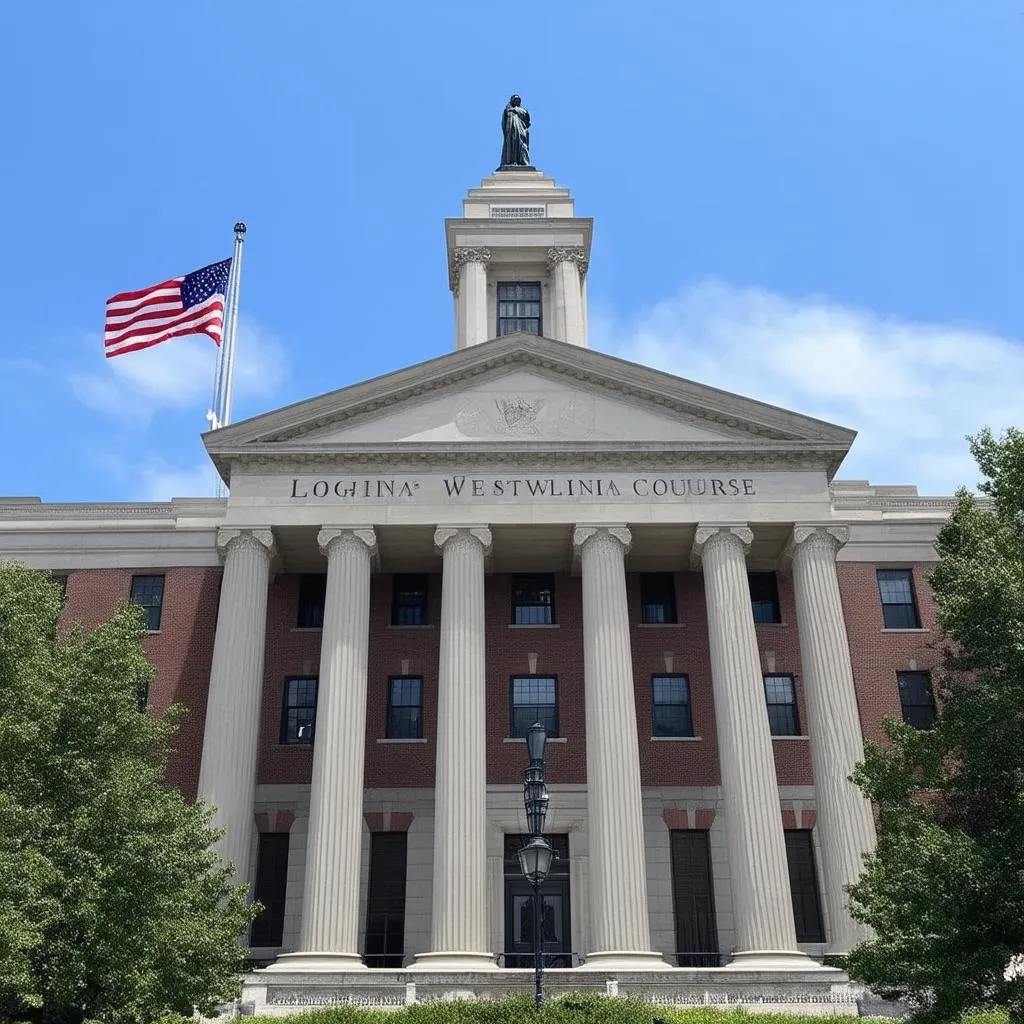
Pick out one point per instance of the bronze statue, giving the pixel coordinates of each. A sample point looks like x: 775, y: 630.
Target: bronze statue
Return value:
x: 515, y: 130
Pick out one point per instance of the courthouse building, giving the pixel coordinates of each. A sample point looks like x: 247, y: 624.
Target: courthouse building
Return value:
x: 412, y: 570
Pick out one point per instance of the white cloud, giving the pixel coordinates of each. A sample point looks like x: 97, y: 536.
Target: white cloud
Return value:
x: 178, y: 373
x: 911, y: 390
x: 159, y: 482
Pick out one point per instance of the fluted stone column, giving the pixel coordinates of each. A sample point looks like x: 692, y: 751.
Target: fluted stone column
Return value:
x: 567, y: 265
x: 458, y: 935
x: 762, y: 904
x: 329, y: 936
x: 845, y: 825
x: 227, y: 774
x: 620, y: 929
x: 468, y: 279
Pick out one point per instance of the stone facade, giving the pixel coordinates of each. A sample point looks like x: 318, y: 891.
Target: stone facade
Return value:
x: 524, y: 454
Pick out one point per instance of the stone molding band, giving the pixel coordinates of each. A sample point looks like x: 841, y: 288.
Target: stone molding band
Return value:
x: 460, y: 257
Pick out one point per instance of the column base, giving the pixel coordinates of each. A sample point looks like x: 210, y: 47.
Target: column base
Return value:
x: 318, y: 962
x: 624, y: 960
x: 454, y: 960
x: 774, y: 960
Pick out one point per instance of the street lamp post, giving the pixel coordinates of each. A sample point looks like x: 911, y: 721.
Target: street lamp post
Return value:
x: 536, y: 856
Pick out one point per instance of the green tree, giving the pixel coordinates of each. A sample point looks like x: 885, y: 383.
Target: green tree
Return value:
x: 113, y: 905
x: 944, y: 891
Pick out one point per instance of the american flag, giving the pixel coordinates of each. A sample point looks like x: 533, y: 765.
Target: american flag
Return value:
x: 193, y: 304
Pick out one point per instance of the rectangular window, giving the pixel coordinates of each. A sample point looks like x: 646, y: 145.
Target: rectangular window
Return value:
x: 409, y: 599
x: 385, y: 900
x: 270, y: 889
x: 764, y: 596
x: 899, y: 608
x: 533, y: 600
x: 519, y: 307
x: 312, y: 593
x: 405, y: 707
x: 780, y: 694
x: 534, y: 699
x: 148, y: 594
x: 671, y: 706
x: 298, y: 716
x: 693, y: 898
x: 657, y: 598
x: 916, y: 699
x: 803, y: 885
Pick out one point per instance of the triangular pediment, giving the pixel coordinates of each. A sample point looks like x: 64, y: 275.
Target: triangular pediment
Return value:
x: 524, y: 390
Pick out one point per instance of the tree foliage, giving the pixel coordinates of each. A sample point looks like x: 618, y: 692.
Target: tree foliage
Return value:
x: 113, y: 906
x: 944, y: 891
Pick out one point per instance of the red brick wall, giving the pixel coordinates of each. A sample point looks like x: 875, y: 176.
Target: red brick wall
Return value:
x: 182, y: 651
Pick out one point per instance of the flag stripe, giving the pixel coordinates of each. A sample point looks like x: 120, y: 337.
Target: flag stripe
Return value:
x: 171, y: 286
x: 158, y: 311
x: 135, y: 346
x: 146, y: 324
x: 191, y: 318
x: 128, y: 308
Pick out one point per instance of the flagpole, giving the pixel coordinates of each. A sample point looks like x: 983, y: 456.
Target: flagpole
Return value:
x: 231, y: 329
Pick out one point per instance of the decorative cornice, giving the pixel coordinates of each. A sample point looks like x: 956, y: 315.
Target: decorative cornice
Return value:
x: 568, y: 254
x: 231, y: 538
x: 460, y: 257
x: 479, y: 534
x: 707, y: 532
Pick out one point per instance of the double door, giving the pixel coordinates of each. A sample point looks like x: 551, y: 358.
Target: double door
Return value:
x: 555, y: 927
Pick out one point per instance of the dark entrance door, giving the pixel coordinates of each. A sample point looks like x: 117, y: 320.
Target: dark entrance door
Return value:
x: 555, y: 915
x: 694, y: 899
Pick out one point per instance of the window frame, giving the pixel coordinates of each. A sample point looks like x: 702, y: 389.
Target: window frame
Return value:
x: 550, y: 606
x: 915, y: 611
x: 512, y: 705
x: 811, y: 892
x: 286, y: 706
x: 147, y: 609
x: 389, y: 731
x: 794, y: 703
x: 539, y: 285
x: 929, y: 691
x: 308, y: 592
x: 666, y: 580
x: 270, y: 889
x: 687, y: 704
x: 772, y: 599
x: 422, y: 608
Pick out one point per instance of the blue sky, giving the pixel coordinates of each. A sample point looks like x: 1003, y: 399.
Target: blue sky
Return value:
x: 816, y: 204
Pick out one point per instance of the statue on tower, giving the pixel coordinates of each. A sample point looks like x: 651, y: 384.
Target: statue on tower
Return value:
x: 515, y: 130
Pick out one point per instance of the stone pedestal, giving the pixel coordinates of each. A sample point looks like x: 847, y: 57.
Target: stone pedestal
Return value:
x: 762, y: 905
x: 845, y: 825
x: 329, y: 939
x: 227, y: 775
x: 619, y: 926
x: 459, y: 940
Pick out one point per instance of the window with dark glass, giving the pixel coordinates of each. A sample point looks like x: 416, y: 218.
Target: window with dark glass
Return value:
x: 764, y: 596
x: 148, y: 594
x: 298, y: 716
x: 270, y: 889
x: 534, y: 699
x: 385, y: 900
x: 405, y: 707
x: 780, y: 694
x: 657, y: 598
x: 916, y: 699
x: 803, y: 886
x: 409, y: 599
x: 896, y: 589
x: 671, y: 705
x: 693, y: 898
x: 312, y: 593
x: 533, y: 600
x: 519, y: 307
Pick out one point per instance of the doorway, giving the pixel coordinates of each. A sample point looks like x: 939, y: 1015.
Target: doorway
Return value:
x: 555, y: 913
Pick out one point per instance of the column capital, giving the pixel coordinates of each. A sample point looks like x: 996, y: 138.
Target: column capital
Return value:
x: 329, y: 536
x: 706, y: 532
x: 568, y: 254
x: 444, y: 534
x: 260, y: 539
x: 582, y: 535
x: 460, y: 257
x: 805, y: 535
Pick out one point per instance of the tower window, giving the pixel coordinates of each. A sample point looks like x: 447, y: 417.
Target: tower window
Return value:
x: 519, y: 307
